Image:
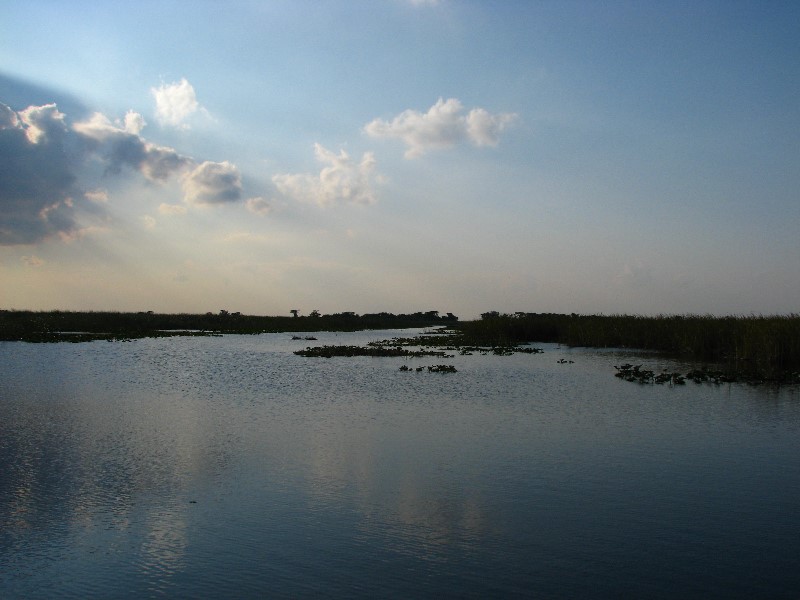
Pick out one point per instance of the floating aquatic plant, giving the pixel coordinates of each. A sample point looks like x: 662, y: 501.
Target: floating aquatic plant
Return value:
x: 432, y: 369
x: 331, y: 351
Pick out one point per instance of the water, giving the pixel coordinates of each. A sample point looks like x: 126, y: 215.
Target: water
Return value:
x: 229, y: 467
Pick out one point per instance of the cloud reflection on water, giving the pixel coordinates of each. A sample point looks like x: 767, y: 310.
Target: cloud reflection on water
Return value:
x: 331, y: 477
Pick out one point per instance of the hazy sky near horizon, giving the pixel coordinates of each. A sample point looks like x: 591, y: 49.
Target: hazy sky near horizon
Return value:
x: 398, y: 155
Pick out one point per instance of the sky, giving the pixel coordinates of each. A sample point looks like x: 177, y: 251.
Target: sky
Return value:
x: 394, y: 155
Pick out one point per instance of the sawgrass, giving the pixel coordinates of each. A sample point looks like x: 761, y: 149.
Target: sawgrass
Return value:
x: 764, y: 346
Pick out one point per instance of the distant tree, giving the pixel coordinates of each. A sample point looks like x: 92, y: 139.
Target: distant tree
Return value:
x: 294, y: 312
x: 492, y: 314
x: 314, y: 313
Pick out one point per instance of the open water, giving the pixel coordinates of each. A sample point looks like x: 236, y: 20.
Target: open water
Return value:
x: 229, y: 467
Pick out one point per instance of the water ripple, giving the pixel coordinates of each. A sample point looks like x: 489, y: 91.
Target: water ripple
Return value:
x: 231, y: 467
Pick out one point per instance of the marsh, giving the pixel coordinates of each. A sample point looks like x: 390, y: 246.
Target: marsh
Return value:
x: 231, y: 467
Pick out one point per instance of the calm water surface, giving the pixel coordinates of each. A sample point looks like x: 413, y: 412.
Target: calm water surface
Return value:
x: 229, y: 467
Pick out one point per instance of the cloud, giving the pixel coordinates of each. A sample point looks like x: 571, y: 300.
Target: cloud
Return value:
x: 134, y: 122
x: 484, y: 129
x: 258, y: 206
x: 8, y: 118
x: 120, y: 147
x: 41, y: 156
x: 204, y: 183
x: 38, y: 193
x: 171, y: 209
x: 43, y: 124
x: 175, y: 102
x: 98, y: 196
x: 443, y: 126
x: 343, y: 180
x: 213, y: 183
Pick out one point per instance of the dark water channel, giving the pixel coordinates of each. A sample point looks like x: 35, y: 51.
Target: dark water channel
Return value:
x: 229, y: 467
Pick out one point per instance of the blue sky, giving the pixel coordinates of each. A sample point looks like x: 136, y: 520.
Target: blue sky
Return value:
x: 461, y: 156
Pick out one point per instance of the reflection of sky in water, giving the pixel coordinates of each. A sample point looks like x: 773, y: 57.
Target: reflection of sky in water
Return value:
x: 230, y: 465
x: 164, y: 547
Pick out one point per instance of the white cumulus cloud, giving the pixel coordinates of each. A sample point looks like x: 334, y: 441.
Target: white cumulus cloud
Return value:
x: 45, y: 193
x: 39, y: 196
x: 42, y: 123
x: 122, y: 147
x: 175, y: 102
x: 213, y: 183
x: 134, y: 122
x: 443, y: 126
x: 342, y: 180
x: 484, y: 128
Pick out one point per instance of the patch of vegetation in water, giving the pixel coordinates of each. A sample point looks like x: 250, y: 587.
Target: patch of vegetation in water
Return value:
x: 439, y: 342
x: 378, y: 350
x: 431, y: 369
x: 455, y: 341
x: 636, y: 374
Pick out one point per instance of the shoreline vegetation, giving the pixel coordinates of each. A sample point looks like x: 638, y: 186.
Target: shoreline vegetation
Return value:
x: 732, y: 348
x: 69, y: 326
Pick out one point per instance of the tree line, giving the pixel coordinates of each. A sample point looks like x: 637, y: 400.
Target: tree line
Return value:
x: 50, y: 325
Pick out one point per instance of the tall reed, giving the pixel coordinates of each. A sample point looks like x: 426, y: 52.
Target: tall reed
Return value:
x: 752, y: 344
